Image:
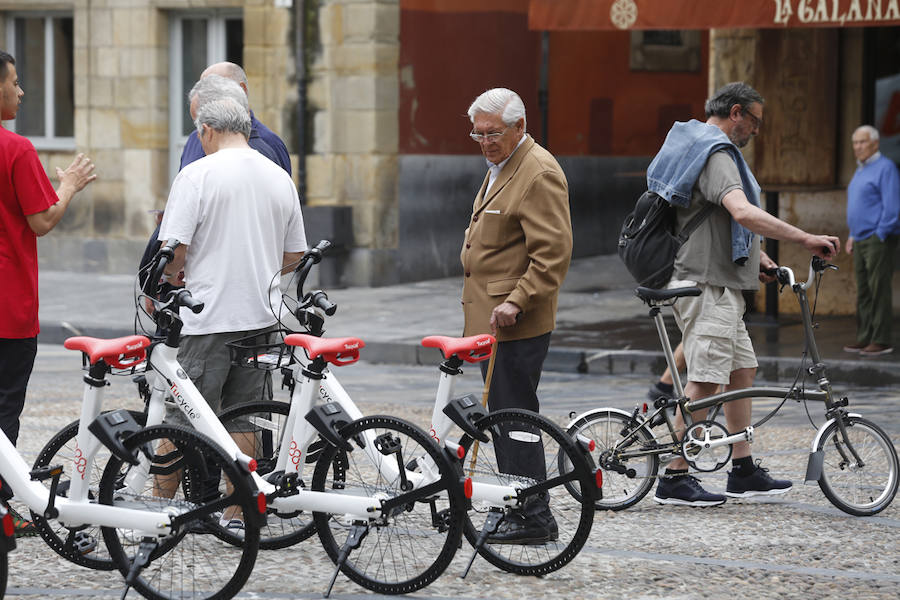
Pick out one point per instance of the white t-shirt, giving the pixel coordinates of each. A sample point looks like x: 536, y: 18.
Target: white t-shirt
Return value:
x: 238, y: 212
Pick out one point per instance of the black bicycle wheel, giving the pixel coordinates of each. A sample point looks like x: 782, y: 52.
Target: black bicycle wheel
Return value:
x: 85, y: 547
x: 625, y: 480
x: 860, y: 488
x: 411, y: 546
x: 259, y: 428
x: 526, y: 450
x: 191, y: 562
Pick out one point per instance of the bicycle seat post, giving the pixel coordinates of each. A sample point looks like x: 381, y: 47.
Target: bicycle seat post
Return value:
x: 656, y: 315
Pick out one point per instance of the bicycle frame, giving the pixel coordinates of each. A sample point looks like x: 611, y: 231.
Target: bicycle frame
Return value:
x: 834, y: 410
x: 169, y: 378
x: 77, y: 509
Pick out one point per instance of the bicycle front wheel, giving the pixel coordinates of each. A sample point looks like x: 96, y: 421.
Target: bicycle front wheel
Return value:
x: 80, y: 545
x: 865, y: 487
x: 626, y: 480
x: 409, y: 547
x: 548, y: 528
x: 192, y: 561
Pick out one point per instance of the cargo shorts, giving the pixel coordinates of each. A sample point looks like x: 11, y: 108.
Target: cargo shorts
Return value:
x: 715, y: 339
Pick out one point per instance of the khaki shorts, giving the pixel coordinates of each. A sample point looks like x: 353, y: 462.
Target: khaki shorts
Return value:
x: 715, y: 338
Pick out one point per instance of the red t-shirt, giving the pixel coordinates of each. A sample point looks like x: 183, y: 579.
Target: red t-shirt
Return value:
x: 24, y: 190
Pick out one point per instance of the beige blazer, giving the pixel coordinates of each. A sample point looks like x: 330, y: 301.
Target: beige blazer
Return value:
x: 518, y: 245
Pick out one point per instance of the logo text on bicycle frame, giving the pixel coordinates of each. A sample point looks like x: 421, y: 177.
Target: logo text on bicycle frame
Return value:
x: 182, y: 403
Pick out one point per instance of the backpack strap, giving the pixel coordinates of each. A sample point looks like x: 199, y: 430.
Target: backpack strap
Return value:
x: 695, y: 222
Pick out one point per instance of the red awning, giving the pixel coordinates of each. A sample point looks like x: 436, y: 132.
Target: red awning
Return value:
x: 709, y: 14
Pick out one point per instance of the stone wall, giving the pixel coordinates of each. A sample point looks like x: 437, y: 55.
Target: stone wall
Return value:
x: 121, y: 66
x: 353, y: 101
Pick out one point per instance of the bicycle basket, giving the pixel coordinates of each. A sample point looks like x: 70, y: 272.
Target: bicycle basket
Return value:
x: 259, y: 351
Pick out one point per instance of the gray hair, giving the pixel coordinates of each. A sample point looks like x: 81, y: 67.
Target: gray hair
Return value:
x: 216, y: 87
x: 873, y: 133
x: 224, y: 115
x: 499, y: 101
x: 228, y: 70
x: 736, y: 92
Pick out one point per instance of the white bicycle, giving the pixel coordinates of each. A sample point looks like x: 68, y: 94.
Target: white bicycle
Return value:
x: 500, y: 489
x: 150, y: 500
x: 401, y: 519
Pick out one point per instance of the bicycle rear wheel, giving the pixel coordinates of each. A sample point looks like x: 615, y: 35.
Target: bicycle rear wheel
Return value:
x: 191, y: 562
x: 84, y: 548
x: 625, y: 480
x: 859, y: 490
x: 409, y: 548
x: 524, y: 450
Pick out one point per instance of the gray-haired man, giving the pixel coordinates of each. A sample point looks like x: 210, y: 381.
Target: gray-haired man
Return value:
x: 699, y: 164
x: 237, y: 216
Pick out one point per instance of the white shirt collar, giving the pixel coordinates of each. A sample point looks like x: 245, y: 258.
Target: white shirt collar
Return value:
x: 499, y: 166
x: 869, y: 160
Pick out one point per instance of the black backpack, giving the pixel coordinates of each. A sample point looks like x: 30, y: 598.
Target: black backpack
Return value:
x: 648, y: 244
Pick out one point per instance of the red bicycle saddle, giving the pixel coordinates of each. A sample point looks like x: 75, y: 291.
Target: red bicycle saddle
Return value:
x: 337, y: 351
x: 121, y: 353
x: 474, y: 348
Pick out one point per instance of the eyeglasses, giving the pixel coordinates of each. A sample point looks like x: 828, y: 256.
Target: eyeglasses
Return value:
x: 757, y: 122
x: 487, y: 137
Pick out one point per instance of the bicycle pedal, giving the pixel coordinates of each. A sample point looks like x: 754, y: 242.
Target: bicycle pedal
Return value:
x: 83, y: 543
x: 43, y: 473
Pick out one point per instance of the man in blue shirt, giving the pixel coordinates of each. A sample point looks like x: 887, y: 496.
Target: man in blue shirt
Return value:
x: 873, y: 215
x: 262, y: 139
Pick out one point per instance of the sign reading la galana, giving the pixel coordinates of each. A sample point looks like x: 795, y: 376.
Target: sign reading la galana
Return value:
x: 836, y: 13
x: 709, y: 14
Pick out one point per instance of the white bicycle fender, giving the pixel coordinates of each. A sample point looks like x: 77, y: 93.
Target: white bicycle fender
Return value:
x: 624, y: 413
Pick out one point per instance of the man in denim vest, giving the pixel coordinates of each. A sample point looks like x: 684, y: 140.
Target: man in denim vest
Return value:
x: 700, y: 163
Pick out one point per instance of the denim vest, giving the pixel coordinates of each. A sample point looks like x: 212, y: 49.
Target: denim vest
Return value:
x: 676, y: 168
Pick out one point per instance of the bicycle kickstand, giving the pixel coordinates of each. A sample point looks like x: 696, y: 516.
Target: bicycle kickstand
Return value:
x: 491, y: 523
x: 141, y: 560
x: 358, y: 532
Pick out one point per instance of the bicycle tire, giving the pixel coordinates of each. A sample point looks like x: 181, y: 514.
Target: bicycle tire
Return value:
x: 62, y: 449
x: 191, y: 561
x: 859, y: 491
x: 408, y: 550
x: 4, y: 572
x: 618, y: 491
x: 268, y: 419
x: 573, y: 516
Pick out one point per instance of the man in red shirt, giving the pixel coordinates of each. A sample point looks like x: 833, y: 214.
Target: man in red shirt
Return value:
x: 29, y: 207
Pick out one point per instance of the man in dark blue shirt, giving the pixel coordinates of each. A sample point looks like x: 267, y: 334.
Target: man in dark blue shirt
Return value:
x: 262, y: 139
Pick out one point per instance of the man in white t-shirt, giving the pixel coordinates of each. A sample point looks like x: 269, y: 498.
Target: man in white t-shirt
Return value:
x: 237, y: 216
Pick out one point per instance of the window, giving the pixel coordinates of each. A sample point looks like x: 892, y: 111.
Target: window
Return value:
x: 43, y: 49
x: 665, y: 50
x: 197, y: 40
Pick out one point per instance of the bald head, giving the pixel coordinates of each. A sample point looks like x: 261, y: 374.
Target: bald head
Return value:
x: 230, y: 71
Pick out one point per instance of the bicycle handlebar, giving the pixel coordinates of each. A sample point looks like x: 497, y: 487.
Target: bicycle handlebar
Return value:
x: 785, y: 275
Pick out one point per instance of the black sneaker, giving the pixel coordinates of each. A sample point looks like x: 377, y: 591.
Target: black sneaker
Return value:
x: 519, y: 529
x: 757, y: 483
x: 685, y: 490
x: 655, y: 393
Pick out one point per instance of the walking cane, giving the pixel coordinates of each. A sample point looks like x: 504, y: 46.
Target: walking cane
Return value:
x: 484, y: 402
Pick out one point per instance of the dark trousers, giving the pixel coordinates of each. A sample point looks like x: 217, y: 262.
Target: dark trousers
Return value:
x: 873, y: 263
x: 514, y: 382
x: 16, y: 363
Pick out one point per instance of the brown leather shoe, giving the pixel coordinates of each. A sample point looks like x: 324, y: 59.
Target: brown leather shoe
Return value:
x: 855, y: 348
x: 876, y: 350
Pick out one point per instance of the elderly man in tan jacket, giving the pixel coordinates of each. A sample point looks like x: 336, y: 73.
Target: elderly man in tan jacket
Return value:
x: 515, y: 256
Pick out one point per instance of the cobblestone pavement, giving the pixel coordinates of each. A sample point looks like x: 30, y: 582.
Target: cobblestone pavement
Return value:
x: 797, y: 546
